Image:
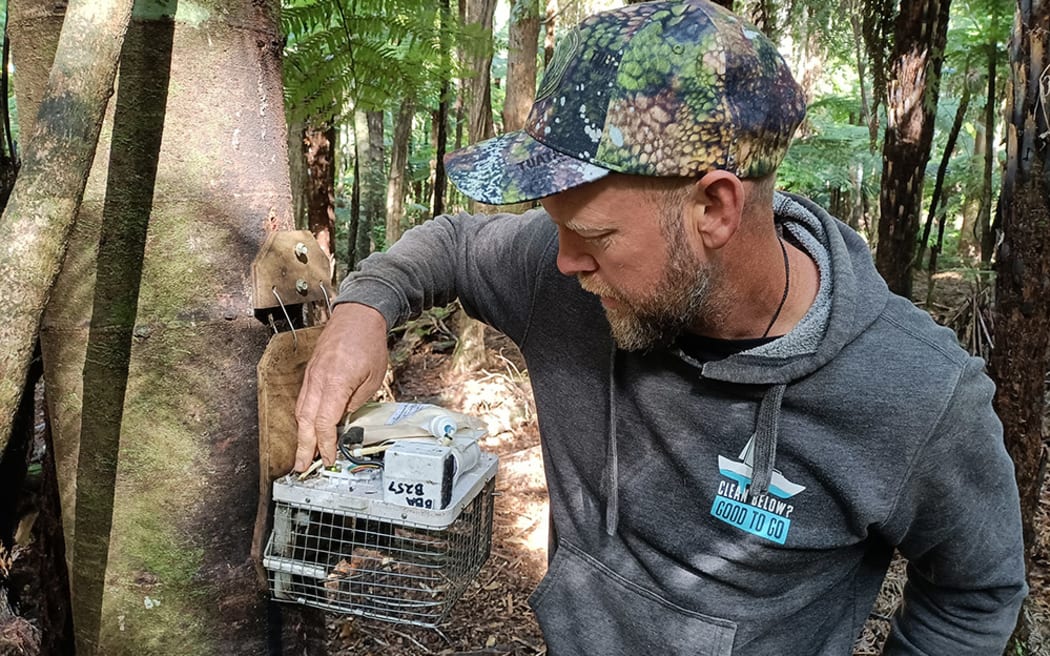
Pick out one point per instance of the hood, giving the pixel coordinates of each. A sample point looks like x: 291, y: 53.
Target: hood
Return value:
x: 858, y: 297
x: 855, y: 296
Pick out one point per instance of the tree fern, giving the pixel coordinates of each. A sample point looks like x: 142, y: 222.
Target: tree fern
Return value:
x: 827, y: 157
x: 360, y: 54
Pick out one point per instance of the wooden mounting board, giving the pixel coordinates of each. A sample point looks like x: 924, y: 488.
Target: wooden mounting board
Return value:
x: 288, y: 259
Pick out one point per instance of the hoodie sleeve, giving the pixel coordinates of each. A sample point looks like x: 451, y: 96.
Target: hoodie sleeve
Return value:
x: 490, y: 263
x: 958, y: 522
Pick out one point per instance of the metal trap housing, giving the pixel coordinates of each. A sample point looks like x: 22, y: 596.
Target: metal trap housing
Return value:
x: 350, y: 542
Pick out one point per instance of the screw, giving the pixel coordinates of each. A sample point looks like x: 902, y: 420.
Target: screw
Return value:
x: 301, y: 286
x: 301, y: 251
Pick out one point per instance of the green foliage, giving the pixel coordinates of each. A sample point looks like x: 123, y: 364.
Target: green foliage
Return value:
x: 828, y: 156
x: 369, y: 53
x: 524, y: 10
x: 417, y: 213
x: 978, y: 22
x: 974, y: 27
x: 349, y: 54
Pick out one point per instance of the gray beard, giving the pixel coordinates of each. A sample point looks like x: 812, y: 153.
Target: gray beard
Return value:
x: 680, y: 305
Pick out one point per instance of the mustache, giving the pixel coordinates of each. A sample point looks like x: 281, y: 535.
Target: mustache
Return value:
x: 596, y: 287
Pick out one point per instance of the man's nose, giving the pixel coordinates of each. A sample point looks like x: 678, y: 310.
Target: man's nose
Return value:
x: 573, y: 258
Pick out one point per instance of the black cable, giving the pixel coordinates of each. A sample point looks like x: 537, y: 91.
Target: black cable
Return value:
x: 354, y: 436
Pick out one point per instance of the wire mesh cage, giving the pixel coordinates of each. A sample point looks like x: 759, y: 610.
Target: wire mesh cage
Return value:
x: 403, y: 565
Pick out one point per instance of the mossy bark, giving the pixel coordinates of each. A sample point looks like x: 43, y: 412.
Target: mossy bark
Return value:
x: 157, y: 285
x: 33, y: 27
x: 36, y: 223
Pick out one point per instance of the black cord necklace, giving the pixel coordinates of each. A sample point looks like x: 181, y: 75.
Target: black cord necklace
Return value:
x: 787, y: 286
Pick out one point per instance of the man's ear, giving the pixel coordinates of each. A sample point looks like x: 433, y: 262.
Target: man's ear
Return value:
x: 715, y: 208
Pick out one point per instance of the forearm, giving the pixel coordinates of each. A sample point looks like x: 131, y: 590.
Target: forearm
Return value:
x: 416, y: 273
x: 490, y: 263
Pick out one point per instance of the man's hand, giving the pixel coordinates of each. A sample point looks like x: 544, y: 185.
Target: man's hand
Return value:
x: 346, y: 369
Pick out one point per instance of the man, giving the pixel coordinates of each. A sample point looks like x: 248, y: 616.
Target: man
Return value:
x: 739, y: 422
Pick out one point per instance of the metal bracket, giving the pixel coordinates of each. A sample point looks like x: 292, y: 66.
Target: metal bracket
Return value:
x: 290, y: 268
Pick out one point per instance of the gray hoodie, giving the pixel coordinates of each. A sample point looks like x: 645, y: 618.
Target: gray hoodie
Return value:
x: 748, y: 505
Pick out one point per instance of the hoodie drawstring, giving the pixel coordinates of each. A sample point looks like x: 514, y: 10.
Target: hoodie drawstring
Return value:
x: 612, y: 483
x: 765, y: 449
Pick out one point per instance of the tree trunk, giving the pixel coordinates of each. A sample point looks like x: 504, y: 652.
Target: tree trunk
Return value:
x: 856, y: 191
x: 478, y: 106
x: 868, y: 116
x: 9, y: 150
x: 918, y: 53
x: 1019, y: 361
x: 440, y: 183
x: 969, y: 239
x: 297, y: 173
x: 813, y: 66
x: 478, y: 63
x: 150, y: 341
x: 395, y: 187
x: 368, y: 134
x: 521, y: 63
x: 521, y: 71
x: 39, y: 217
x: 984, y: 215
x: 470, y: 349
x: 440, y: 131
x: 938, y: 187
x: 34, y: 27
x: 877, y: 27
x: 764, y: 16
x: 935, y: 201
x: 355, y: 205
x: 318, y: 154
x: 549, y: 25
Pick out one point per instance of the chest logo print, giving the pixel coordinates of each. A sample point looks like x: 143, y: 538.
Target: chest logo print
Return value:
x: 767, y: 516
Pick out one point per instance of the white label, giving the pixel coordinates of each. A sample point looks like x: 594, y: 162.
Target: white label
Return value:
x: 404, y: 410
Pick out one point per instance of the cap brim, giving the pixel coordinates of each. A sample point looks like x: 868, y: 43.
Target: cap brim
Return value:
x: 515, y: 168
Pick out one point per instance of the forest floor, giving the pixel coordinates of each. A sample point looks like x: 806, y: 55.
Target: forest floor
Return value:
x: 493, y: 616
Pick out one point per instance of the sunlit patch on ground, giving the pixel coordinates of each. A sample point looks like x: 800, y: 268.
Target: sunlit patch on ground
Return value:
x: 522, y: 472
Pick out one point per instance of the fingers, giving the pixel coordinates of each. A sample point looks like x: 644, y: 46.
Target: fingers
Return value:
x: 322, y: 402
x: 325, y: 426
x: 305, y: 411
x: 306, y: 448
x: 346, y: 368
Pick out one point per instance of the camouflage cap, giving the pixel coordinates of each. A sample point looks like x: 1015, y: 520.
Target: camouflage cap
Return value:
x: 671, y: 89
